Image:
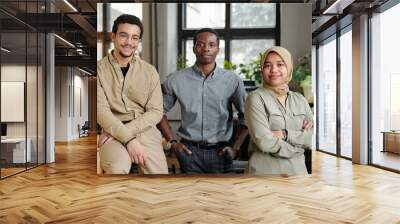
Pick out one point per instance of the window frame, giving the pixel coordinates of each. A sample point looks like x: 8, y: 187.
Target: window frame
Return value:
x: 228, y: 34
x: 335, y: 36
x: 371, y: 13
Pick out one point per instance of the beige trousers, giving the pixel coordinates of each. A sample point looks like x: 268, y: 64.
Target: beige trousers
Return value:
x: 114, y: 158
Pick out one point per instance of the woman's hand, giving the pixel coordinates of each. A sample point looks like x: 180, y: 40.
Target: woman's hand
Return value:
x: 307, y: 125
x: 278, y: 134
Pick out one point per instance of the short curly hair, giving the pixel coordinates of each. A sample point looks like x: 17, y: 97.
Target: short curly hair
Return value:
x: 205, y: 30
x: 126, y: 18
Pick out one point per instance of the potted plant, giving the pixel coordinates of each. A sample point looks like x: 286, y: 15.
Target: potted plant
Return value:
x: 302, y: 76
x: 252, y: 71
x: 181, y: 62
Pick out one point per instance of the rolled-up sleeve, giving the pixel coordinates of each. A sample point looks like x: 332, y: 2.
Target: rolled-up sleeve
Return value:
x: 260, y: 132
x: 239, y: 99
x: 169, y: 97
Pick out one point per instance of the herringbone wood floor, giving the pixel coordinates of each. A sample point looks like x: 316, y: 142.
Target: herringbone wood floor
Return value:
x: 69, y: 191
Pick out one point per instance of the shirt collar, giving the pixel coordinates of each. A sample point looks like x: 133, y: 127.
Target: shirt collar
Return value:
x: 272, y: 92
x: 213, y: 74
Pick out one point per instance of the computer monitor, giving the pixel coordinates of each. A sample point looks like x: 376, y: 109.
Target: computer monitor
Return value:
x: 3, y: 129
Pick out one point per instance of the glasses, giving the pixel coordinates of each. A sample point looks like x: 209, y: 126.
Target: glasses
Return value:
x: 124, y: 37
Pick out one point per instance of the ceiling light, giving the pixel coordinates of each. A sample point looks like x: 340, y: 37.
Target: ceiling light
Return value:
x: 70, y: 5
x: 5, y: 50
x: 64, y: 40
x: 337, y: 7
x: 84, y: 71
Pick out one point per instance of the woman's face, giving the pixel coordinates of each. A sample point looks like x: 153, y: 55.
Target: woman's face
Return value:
x: 274, y: 70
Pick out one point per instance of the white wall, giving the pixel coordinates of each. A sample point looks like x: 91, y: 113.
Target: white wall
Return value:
x: 80, y: 83
x: 33, y: 126
x: 12, y: 73
x: 167, y: 44
x: 296, y: 33
x: 16, y: 73
x: 67, y: 117
x: 61, y: 104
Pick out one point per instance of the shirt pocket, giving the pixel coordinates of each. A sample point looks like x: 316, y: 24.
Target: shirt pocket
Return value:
x: 276, y: 120
x: 299, y: 115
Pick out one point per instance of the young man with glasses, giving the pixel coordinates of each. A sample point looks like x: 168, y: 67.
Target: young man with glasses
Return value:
x: 129, y: 105
x: 206, y: 93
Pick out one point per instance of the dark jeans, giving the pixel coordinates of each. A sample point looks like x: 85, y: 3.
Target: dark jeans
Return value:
x: 204, y: 160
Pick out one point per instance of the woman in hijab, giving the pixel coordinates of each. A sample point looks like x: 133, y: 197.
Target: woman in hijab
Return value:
x: 280, y: 121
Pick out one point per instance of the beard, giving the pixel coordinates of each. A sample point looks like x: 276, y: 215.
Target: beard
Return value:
x: 124, y: 55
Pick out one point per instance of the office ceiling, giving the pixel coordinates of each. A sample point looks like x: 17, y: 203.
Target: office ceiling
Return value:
x: 75, y: 21
x: 330, y: 15
x: 72, y: 20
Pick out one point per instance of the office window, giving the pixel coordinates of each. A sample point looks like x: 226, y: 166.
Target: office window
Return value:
x: 246, y: 29
x: 199, y: 15
x: 346, y: 94
x: 327, y: 96
x: 385, y: 88
x: 117, y: 9
x: 243, y: 54
x: 248, y: 15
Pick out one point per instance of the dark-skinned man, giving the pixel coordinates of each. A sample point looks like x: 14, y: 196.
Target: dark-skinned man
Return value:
x: 206, y: 94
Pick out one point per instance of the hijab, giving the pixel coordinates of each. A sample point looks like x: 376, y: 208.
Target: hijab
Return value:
x: 283, y: 89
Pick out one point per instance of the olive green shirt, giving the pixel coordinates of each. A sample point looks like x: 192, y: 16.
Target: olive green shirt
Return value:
x: 127, y: 106
x: 273, y: 155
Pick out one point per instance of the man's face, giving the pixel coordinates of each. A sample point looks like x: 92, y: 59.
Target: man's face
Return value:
x: 206, y: 48
x: 126, y: 40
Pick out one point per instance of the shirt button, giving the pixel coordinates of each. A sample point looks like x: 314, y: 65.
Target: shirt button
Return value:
x: 122, y: 80
x: 128, y: 108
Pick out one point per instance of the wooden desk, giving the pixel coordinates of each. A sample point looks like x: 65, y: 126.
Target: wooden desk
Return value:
x: 391, y: 141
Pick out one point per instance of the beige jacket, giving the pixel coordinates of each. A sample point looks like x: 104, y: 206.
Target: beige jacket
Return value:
x: 269, y: 154
x: 127, y: 106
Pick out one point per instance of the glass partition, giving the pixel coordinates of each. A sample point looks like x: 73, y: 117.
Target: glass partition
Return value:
x: 346, y: 94
x: 14, y: 153
x: 22, y: 89
x: 385, y: 89
x: 327, y: 96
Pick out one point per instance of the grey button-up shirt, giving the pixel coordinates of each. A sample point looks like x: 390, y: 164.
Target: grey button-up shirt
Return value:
x: 206, y: 103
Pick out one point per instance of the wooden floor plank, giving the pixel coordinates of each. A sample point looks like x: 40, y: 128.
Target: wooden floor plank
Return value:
x: 69, y: 191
